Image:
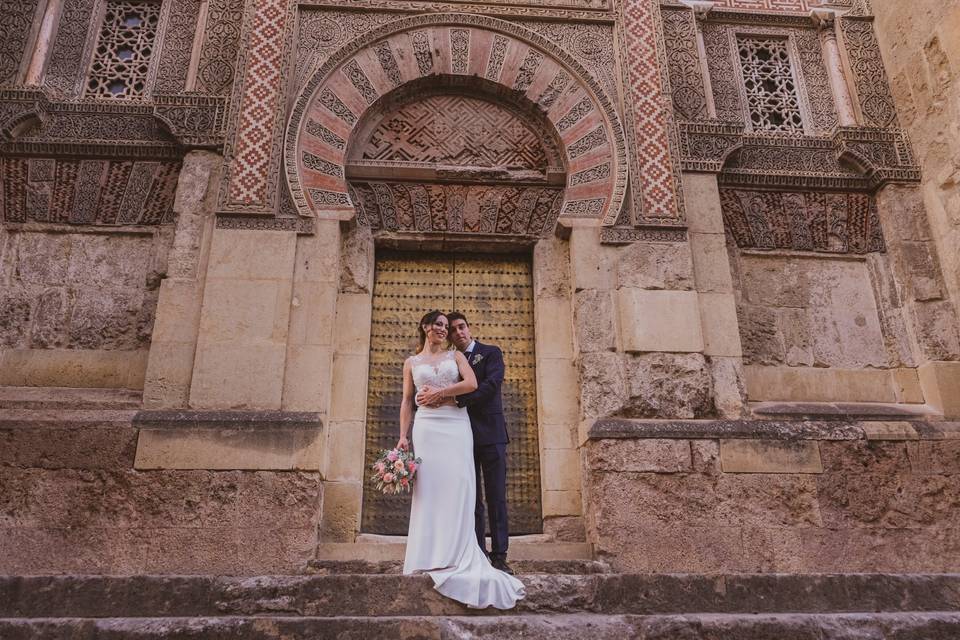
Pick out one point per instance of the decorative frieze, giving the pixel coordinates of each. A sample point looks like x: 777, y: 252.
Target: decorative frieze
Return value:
x: 88, y: 191
x: 802, y: 221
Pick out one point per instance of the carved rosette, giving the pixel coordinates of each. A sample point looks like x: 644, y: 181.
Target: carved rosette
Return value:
x: 446, y: 47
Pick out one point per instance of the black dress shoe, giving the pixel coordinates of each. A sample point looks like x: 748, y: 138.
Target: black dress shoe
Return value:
x: 501, y: 564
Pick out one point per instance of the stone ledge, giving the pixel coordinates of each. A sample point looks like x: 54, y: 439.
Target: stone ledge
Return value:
x: 627, y: 428
x: 842, y: 410
x: 192, y: 419
x: 714, y: 429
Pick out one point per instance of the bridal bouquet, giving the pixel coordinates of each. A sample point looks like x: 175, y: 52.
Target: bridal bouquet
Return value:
x: 394, y: 470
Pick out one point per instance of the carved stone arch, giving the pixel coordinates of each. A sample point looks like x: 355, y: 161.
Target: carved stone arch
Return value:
x: 493, y: 52
x: 456, y: 154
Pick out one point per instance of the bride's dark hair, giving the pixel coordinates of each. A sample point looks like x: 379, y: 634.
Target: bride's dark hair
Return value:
x: 428, y: 319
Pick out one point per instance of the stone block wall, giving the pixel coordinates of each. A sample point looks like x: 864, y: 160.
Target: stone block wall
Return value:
x: 71, y: 501
x: 710, y: 497
x: 77, y: 307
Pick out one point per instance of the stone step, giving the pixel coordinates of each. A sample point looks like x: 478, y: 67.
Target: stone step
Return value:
x: 521, y: 548
x: 569, y: 567
x: 876, y: 626
x: 68, y: 398
x: 393, y: 595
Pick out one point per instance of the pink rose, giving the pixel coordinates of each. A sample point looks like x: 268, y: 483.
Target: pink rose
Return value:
x: 380, y: 467
x: 404, y: 482
x: 392, y: 455
x: 412, y: 467
x: 388, y: 478
x: 398, y: 465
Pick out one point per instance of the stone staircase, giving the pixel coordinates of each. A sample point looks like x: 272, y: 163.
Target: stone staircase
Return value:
x: 565, y: 600
x: 356, y: 590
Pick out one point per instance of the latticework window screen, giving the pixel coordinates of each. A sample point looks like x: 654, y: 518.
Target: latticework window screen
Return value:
x: 121, y: 62
x: 772, y: 97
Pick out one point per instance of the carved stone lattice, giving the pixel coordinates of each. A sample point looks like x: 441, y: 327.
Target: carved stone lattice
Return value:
x: 461, y: 130
x: 88, y: 192
x: 869, y: 75
x: 16, y: 17
x: 66, y: 58
x: 218, y: 54
x: 773, y: 102
x: 121, y: 61
x: 683, y: 61
x: 177, y: 46
x: 802, y: 221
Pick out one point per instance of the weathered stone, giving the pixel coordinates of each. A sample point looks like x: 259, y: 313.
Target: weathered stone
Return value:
x: 603, y: 387
x: 760, y: 335
x: 889, y: 501
x: 99, y: 321
x: 594, y: 316
x: 565, y: 528
x: 660, y: 456
x: 729, y: 389
x: 14, y: 318
x: 770, y: 456
x: 667, y: 385
x: 864, y: 456
x: 356, y: 260
x: 551, y: 263
x: 659, y: 320
x: 50, y: 320
x: 655, y: 265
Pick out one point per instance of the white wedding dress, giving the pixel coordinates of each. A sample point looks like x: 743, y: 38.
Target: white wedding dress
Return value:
x: 441, y: 540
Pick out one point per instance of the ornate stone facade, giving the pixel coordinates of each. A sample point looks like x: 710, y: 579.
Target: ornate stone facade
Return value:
x: 704, y: 217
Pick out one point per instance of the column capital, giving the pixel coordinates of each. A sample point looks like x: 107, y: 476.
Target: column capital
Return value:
x: 701, y: 8
x: 824, y: 20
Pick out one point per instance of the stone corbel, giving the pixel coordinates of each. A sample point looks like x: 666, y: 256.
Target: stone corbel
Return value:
x: 19, y: 107
x: 196, y: 121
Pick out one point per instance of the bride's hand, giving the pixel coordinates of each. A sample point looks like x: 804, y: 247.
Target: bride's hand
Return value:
x: 403, y: 443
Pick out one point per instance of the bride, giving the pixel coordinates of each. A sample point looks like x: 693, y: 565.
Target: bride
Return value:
x: 441, y: 540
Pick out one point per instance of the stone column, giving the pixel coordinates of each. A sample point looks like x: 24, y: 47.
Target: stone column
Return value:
x: 701, y: 9
x: 177, y: 323
x: 44, y: 40
x: 826, y: 25
x: 932, y: 324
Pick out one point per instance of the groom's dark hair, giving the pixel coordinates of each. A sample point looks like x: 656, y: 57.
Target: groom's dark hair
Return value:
x: 456, y: 315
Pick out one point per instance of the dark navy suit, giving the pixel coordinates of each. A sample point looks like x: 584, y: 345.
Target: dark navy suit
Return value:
x: 485, y: 407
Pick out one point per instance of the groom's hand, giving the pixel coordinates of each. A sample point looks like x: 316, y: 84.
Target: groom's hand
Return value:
x: 429, y: 397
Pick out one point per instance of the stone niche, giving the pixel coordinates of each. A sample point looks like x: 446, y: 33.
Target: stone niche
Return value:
x: 77, y: 308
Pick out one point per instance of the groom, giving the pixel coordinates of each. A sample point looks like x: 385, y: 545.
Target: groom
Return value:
x: 490, y: 438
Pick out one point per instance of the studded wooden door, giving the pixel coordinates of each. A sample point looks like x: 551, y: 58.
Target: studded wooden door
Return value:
x: 495, y: 293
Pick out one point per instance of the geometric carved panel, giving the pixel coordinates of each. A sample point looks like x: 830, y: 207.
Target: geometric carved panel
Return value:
x: 456, y: 130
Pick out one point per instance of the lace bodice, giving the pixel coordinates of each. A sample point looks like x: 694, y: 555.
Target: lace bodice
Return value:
x: 436, y: 372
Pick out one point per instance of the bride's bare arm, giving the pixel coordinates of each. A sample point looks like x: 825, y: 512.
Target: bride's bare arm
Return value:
x: 468, y: 382
x: 406, y: 406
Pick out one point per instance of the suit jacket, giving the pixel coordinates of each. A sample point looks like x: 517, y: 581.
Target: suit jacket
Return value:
x: 485, y: 405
